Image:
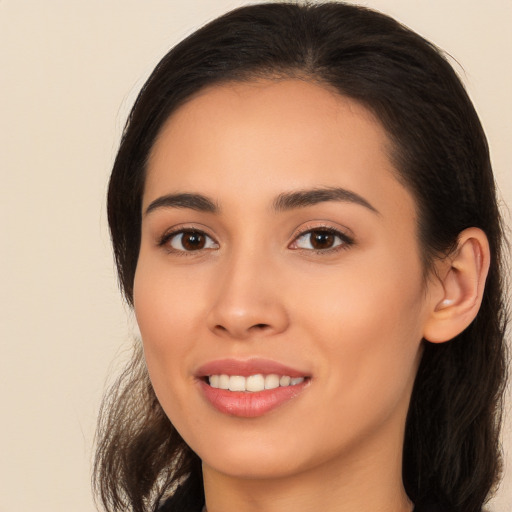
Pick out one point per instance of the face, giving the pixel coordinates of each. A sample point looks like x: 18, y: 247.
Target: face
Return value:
x: 279, y: 259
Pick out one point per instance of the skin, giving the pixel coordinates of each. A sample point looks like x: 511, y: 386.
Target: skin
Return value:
x: 351, y: 317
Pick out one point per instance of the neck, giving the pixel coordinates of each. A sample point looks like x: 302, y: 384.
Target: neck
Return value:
x: 353, y: 482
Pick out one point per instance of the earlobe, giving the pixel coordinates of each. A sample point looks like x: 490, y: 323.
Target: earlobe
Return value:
x: 459, y: 287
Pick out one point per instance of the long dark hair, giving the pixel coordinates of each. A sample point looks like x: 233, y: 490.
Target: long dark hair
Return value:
x: 451, y: 451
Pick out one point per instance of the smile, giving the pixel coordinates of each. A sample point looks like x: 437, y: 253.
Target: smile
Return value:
x: 250, y: 388
x: 252, y: 383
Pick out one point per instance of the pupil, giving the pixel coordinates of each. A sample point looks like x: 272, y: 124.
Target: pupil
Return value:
x: 322, y: 240
x: 193, y: 241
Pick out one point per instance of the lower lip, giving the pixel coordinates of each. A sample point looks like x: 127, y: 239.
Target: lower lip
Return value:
x: 249, y: 404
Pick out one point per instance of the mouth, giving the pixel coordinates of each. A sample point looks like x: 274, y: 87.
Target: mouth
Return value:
x: 252, y: 383
x: 250, y: 389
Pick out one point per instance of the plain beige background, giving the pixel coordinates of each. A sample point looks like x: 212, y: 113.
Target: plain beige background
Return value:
x: 69, y: 71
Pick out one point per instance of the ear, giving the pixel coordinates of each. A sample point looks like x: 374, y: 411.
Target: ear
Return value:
x: 456, y: 293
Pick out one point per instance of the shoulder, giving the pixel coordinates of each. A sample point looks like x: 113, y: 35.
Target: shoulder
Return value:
x: 173, y: 505
x: 182, y: 502
x: 431, y: 507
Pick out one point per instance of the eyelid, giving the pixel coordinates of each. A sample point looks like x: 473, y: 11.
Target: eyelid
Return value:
x: 170, y: 233
x: 346, y: 239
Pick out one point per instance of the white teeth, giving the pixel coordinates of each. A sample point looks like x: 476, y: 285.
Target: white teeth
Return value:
x: 236, y: 383
x: 252, y: 383
x: 255, y: 383
x: 224, y: 381
x: 272, y: 381
x: 283, y: 381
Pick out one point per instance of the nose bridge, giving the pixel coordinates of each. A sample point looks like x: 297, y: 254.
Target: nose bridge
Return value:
x: 247, y: 301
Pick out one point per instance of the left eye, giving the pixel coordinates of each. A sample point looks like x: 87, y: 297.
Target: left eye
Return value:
x: 191, y: 241
x: 320, y: 239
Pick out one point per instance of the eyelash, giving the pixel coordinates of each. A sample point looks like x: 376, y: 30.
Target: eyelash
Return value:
x: 344, y: 243
x: 167, y: 238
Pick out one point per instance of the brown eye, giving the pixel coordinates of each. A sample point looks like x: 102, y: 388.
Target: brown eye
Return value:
x: 191, y: 241
x: 321, y: 240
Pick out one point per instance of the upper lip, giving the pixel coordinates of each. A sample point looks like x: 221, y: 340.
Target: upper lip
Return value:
x: 247, y: 367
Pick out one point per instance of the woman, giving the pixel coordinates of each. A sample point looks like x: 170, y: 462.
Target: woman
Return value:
x: 304, y: 219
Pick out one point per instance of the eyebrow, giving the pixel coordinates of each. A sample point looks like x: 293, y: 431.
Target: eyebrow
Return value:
x: 304, y: 198
x: 283, y: 202
x: 196, y: 202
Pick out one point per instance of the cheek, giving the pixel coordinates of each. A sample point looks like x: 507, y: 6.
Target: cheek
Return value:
x: 166, y: 314
x: 164, y: 322
x: 165, y: 301
x: 368, y: 320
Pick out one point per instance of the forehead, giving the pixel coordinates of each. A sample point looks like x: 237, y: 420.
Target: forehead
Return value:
x: 271, y: 135
x: 283, y: 113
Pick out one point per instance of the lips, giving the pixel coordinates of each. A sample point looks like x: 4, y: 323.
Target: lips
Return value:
x: 250, y: 388
x: 247, y: 367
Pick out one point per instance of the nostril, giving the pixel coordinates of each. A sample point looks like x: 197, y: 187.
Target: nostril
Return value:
x: 260, y: 326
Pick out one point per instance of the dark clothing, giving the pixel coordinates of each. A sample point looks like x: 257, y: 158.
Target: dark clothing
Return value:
x: 180, y: 502
x: 429, y: 508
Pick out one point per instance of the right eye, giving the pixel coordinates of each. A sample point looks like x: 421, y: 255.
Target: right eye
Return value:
x: 188, y: 240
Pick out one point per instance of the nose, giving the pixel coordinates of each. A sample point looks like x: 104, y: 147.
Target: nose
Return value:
x: 248, y: 302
